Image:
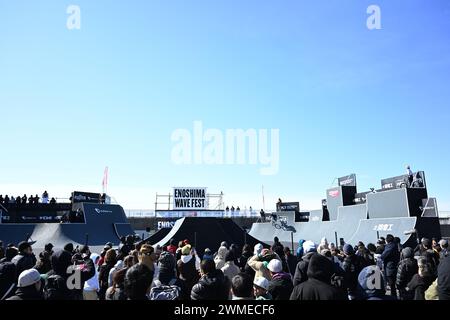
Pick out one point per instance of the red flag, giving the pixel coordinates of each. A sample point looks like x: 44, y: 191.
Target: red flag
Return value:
x: 105, y: 180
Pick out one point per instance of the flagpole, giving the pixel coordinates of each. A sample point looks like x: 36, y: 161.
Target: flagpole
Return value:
x: 264, y: 203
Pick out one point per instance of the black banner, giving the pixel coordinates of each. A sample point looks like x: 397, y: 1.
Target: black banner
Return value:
x: 404, y: 181
x: 289, y: 206
x: 78, y: 196
x: 361, y: 197
x: 349, y: 181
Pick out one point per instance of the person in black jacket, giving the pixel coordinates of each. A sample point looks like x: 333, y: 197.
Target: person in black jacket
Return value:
x: 167, y: 275
x: 422, y: 280
x: 103, y: 272
x: 291, y: 261
x: 213, y: 285
x: 2, y: 250
x: 186, y: 267
x: 352, y: 266
x: 28, y: 286
x: 390, y: 258
x: 25, y: 259
x: 277, y: 247
x: 280, y: 286
x: 309, y: 249
x: 247, y: 253
x: 7, y: 278
x: 444, y: 279
x: 407, y: 268
x: 318, y: 286
x: 66, y: 279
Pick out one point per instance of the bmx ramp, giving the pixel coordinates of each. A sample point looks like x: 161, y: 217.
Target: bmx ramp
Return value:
x: 352, y: 225
x: 205, y: 233
x: 103, y: 223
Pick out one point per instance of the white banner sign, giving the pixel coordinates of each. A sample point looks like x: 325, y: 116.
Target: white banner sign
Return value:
x: 190, y: 198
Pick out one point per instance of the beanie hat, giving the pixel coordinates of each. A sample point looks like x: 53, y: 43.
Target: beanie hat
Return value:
x: 309, y: 246
x: 28, y: 278
x: 348, y: 249
x: 23, y: 246
x: 69, y: 247
x: 275, y: 266
x: 167, y: 261
x: 261, y: 282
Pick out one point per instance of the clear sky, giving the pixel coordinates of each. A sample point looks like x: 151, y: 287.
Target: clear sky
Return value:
x: 345, y: 98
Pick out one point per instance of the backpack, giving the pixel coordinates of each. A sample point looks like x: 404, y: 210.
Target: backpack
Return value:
x: 165, y: 292
x: 55, y: 288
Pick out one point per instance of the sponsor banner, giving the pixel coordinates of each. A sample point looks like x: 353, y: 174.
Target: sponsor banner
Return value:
x: 188, y: 213
x: 165, y: 225
x: 348, y: 181
x: 289, y: 206
x: 403, y: 181
x: 361, y: 197
x: 333, y: 193
x: 78, y: 196
x: 190, y: 199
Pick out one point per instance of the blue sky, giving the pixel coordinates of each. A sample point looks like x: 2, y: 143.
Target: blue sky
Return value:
x: 345, y: 98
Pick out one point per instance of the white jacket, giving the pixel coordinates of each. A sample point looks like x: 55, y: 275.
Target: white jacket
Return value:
x: 92, y: 284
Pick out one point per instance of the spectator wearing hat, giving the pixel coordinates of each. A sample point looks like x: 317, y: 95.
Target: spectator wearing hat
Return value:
x: 391, y: 258
x: 25, y: 259
x: 242, y: 287
x: 317, y: 286
x: 259, y: 263
x: 309, y: 249
x: 208, y: 255
x: 172, y: 247
x: 220, y: 257
x: 107, y: 247
x: 407, y: 268
x: 187, y: 267
x: 352, y: 266
x: 280, y: 285
x: 371, y: 285
x: 260, y: 287
x: 167, y: 275
x: 230, y: 269
x: 28, y: 286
